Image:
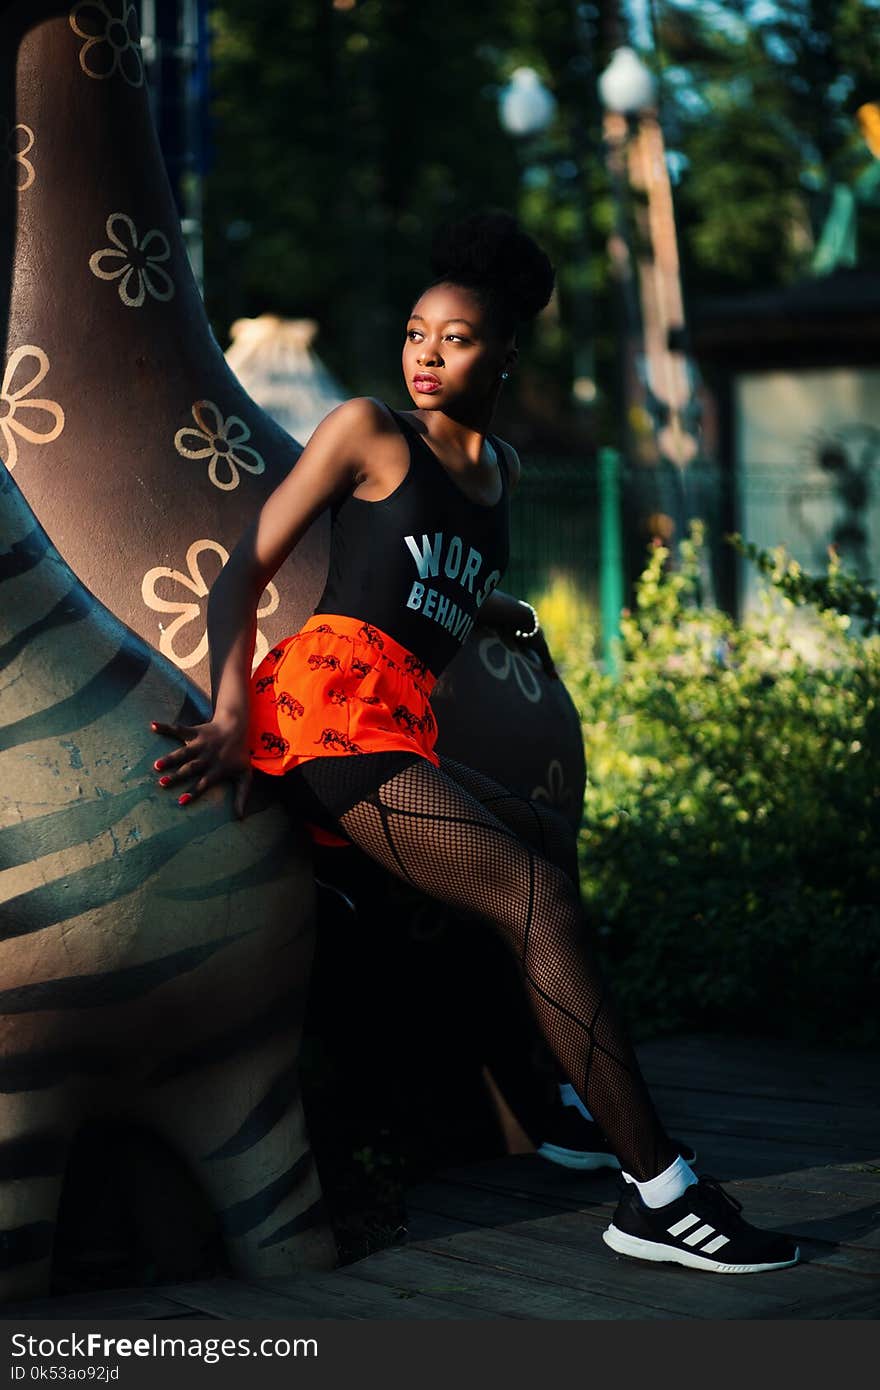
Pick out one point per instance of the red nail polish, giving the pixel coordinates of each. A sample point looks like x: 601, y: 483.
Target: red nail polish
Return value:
x: 182, y: 800
x: 158, y: 765
x: 163, y: 781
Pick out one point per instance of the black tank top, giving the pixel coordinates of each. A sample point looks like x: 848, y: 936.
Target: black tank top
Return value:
x: 419, y: 563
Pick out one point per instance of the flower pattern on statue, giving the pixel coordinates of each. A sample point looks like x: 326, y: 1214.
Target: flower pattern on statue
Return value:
x: 222, y: 442
x: 17, y: 142
x: 185, y: 640
x: 112, y: 40
x: 131, y: 262
x: 555, y: 793
x: 502, y: 662
x: 16, y: 404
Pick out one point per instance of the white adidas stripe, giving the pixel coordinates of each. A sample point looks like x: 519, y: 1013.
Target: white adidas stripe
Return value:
x: 715, y: 1244
x: 696, y: 1236
x: 701, y: 1233
x: 683, y: 1225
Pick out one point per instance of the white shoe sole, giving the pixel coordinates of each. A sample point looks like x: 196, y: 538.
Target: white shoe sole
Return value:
x: 574, y: 1158
x: 640, y: 1249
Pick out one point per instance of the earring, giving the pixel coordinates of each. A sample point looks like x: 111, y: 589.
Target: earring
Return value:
x: 505, y: 375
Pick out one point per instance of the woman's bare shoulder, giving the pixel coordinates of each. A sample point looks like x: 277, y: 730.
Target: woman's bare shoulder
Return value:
x: 365, y: 413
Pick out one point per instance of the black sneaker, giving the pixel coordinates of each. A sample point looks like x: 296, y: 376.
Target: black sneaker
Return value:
x: 701, y: 1229
x: 573, y: 1142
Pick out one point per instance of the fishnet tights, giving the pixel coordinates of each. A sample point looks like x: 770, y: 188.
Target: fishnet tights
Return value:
x: 425, y: 828
x: 539, y: 825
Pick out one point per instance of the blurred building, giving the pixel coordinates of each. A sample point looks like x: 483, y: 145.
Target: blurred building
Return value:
x: 275, y: 363
x: 796, y: 381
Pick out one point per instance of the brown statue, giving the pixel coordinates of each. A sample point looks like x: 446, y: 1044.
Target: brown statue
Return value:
x: 131, y: 439
x: 153, y: 964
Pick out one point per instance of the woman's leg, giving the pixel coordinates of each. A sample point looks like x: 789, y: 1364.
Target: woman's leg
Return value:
x: 541, y: 1106
x: 538, y: 824
x: 423, y: 827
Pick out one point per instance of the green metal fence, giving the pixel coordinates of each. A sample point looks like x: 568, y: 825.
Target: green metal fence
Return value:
x: 556, y: 523
x: 555, y: 526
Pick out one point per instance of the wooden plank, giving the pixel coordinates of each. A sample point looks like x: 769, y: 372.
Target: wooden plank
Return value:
x: 475, y: 1205
x: 346, y: 1294
x: 763, y: 1067
x: 826, y: 1277
x: 234, y: 1298
x: 729, y: 1160
x: 732, y: 1157
x: 573, y: 1251
x: 823, y: 1217
x: 528, y: 1175
x: 771, y: 1117
x: 835, y: 1230
x: 862, y: 1304
x: 667, y: 1290
x: 302, y: 1296
x: 448, y: 1210
x: 474, y: 1280
x: 831, y: 1216
x: 750, y: 1159
x: 842, y: 1259
x: 102, y: 1303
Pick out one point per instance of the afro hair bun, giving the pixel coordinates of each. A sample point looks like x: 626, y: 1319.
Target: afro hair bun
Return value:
x: 490, y: 252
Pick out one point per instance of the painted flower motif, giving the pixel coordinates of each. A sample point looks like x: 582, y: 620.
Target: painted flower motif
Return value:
x: 112, y: 40
x: 132, y: 262
x: 221, y: 441
x: 15, y: 407
x: 498, y: 659
x: 556, y: 793
x: 17, y: 141
x: 185, y: 640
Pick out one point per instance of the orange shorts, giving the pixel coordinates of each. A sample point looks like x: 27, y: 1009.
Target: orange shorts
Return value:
x: 336, y: 688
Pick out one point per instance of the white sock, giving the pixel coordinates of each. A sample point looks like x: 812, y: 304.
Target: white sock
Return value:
x: 671, y: 1183
x: 569, y: 1096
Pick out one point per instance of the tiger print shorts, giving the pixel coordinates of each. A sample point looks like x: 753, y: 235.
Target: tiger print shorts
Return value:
x: 339, y: 687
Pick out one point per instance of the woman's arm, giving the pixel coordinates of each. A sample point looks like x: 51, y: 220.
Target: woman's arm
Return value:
x: 510, y: 615
x: 333, y: 462
x: 516, y: 619
x: 329, y: 465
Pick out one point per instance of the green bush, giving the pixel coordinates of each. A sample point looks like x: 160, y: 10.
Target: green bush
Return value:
x: 730, y: 841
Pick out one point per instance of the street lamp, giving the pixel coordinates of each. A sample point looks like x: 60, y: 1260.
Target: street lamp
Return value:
x: 627, y: 90
x: 659, y: 381
x: 627, y: 86
x: 525, y: 106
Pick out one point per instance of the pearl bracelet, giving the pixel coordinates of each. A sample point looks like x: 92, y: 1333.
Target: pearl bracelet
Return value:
x: 535, y: 624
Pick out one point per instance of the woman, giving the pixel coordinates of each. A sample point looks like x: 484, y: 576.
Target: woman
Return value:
x: 341, y: 710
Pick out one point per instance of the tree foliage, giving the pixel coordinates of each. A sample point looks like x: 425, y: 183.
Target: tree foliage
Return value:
x: 732, y: 816
x: 344, y: 135
x: 761, y: 99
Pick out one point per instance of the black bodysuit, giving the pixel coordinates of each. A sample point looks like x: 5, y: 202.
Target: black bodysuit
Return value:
x: 419, y: 563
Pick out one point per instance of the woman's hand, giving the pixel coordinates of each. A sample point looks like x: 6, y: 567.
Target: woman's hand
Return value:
x: 510, y: 616
x: 211, y: 753
x: 538, y: 644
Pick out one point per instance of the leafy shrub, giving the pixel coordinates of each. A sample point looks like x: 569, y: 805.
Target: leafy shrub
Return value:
x: 730, y: 841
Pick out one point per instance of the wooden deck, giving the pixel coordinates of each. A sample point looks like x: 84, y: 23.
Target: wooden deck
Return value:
x: 794, y: 1133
